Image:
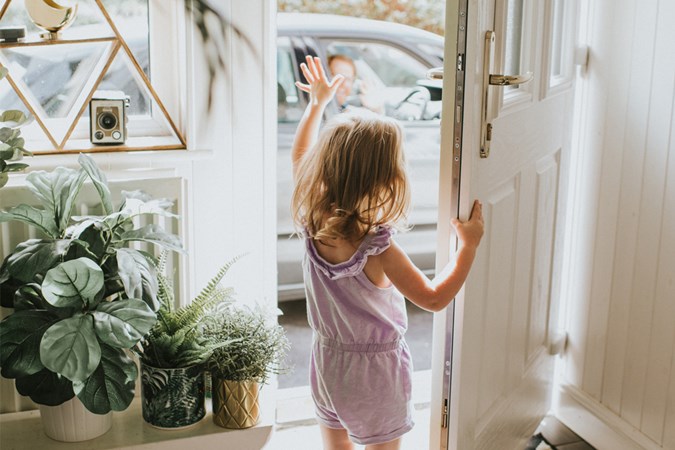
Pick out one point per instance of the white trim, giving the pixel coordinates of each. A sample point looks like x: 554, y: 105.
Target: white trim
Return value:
x: 598, y: 425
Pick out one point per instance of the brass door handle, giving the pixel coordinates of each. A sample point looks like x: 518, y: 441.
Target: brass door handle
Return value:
x: 510, y: 80
x: 493, y: 80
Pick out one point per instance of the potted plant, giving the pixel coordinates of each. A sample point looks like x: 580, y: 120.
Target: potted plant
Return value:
x: 256, y: 349
x: 81, y: 298
x: 173, y: 354
x: 11, y: 142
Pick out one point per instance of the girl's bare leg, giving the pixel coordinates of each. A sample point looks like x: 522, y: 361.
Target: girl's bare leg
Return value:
x: 336, y: 439
x: 391, y: 445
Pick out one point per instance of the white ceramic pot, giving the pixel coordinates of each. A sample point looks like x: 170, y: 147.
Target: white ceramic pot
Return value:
x: 72, y: 422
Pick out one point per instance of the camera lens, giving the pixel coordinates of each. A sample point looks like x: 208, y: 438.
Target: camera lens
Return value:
x: 107, y: 121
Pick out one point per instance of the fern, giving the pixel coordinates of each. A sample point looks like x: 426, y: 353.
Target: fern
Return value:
x: 176, y: 340
x: 215, y: 281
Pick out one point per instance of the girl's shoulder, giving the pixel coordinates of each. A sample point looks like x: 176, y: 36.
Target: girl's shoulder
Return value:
x: 374, y: 243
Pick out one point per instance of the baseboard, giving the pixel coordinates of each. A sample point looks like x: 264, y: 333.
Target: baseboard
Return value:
x: 598, y: 425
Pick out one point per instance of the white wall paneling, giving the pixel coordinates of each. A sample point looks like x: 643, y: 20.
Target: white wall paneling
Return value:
x: 620, y: 303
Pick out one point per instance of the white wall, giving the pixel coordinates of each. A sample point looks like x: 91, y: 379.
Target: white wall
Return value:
x: 620, y: 360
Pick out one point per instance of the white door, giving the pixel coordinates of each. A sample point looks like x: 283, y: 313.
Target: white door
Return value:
x: 493, y: 371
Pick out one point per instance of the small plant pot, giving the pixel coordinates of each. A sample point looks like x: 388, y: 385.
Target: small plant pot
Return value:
x: 235, y: 403
x: 172, y: 398
x: 72, y: 422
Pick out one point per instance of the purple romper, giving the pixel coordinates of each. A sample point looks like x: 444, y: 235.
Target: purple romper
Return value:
x: 360, y: 367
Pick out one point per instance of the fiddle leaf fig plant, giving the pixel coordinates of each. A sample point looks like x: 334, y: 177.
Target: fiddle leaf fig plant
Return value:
x: 82, y: 298
x: 11, y: 143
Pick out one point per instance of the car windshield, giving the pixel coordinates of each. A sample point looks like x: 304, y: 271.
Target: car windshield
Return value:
x: 389, y: 77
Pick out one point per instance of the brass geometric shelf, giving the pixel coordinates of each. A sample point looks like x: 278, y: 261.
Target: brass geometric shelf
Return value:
x: 64, y: 144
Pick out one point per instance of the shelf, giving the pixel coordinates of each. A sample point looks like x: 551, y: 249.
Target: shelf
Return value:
x: 23, y: 430
x: 37, y: 42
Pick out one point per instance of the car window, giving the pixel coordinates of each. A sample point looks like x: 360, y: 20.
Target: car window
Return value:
x: 388, y: 76
x: 289, y: 102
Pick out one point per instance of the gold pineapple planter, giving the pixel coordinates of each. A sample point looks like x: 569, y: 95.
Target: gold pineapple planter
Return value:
x: 235, y: 403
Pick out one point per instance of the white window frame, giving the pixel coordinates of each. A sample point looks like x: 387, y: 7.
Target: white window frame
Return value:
x: 552, y: 83
x: 512, y: 100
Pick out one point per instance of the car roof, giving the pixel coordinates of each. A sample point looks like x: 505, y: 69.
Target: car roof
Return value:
x: 331, y: 25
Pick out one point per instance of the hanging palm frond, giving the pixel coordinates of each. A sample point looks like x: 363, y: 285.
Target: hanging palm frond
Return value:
x: 215, y: 30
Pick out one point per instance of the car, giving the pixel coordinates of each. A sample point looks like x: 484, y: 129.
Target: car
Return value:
x: 393, y: 59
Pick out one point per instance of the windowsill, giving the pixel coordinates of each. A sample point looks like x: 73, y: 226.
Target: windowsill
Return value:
x: 23, y: 430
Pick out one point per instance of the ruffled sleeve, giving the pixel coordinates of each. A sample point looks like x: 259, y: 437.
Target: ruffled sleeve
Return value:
x: 373, y: 244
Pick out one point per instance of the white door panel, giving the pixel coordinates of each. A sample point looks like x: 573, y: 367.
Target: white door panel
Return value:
x: 499, y: 328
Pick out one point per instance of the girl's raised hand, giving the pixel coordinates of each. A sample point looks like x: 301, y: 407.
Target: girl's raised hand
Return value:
x: 321, y: 91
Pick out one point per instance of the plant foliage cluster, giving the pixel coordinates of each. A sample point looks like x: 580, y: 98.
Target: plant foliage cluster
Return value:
x: 11, y: 143
x: 176, y: 340
x: 82, y: 297
x: 257, y: 346
x: 424, y: 14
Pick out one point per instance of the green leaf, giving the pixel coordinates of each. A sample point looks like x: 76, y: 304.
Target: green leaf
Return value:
x: 70, y: 347
x: 3, y: 72
x: 57, y: 190
x: 123, y: 323
x: 92, y: 236
x: 99, y: 180
x: 20, y: 335
x: 138, y: 276
x: 6, y: 152
x: 16, y: 167
x: 155, y: 235
x: 111, y: 386
x: 46, y: 388
x: 28, y: 297
x: 12, y: 118
x: 39, y: 218
x: 35, y: 256
x: 7, y: 134
x: 73, y: 283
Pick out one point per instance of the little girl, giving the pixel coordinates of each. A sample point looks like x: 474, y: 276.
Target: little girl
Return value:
x: 351, y: 194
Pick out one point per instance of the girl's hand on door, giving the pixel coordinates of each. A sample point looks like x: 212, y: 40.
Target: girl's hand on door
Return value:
x: 471, y: 231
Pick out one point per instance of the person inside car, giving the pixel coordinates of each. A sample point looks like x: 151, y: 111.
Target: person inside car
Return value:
x: 353, y: 92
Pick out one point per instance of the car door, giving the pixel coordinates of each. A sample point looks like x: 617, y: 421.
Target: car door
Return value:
x: 509, y: 146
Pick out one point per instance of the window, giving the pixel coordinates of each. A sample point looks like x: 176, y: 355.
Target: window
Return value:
x: 56, y: 78
x: 289, y: 104
x: 391, y: 77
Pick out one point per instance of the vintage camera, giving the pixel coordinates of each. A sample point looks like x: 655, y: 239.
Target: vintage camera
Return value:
x: 108, y: 117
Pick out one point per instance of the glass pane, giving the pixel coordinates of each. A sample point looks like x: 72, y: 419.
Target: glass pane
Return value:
x: 54, y: 75
x: 122, y: 76
x: 289, y: 106
x: 385, y: 80
x: 557, y: 39
x: 514, y: 37
x: 131, y: 17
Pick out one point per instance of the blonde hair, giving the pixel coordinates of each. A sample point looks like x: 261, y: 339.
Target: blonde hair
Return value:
x: 354, y: 179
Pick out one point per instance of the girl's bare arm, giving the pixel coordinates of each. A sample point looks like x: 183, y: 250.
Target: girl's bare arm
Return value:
x: 436, y: 294
x: 321, y: 92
